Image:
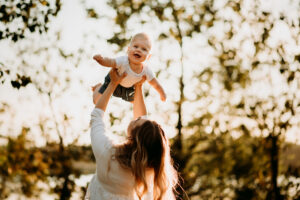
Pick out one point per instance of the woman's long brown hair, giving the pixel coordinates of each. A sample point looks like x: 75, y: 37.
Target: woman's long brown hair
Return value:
x: 146, y: 148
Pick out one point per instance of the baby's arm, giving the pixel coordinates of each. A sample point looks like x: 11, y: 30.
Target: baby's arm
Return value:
x: 107, y: 62
x: 154, y: 83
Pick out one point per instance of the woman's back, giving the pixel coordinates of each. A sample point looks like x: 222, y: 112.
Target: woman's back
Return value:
x: 111, y: 181
x: 117, y: 183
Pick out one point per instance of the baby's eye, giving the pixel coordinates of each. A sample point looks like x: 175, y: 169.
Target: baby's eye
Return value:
x: 135, y: 46
x: 144, y: 49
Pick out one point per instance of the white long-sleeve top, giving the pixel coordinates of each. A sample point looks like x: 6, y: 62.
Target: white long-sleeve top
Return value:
x: 111, y: 181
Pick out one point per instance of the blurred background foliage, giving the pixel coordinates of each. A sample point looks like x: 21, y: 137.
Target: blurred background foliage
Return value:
x: 235, y: 151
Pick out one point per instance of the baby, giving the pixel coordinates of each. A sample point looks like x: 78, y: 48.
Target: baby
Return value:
x: 135, y: 68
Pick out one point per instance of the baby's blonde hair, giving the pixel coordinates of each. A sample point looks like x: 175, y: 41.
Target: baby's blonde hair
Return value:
x: 143, y: 36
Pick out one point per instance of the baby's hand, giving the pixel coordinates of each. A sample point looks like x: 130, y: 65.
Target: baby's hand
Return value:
x: 98, y: 58
x: 163, y: 96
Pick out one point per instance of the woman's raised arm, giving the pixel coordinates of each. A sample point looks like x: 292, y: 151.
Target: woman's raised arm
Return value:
x: 139, y: 108
x: 115, y: 80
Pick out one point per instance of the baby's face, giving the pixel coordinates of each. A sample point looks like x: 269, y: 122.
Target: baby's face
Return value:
x: 139, y: 50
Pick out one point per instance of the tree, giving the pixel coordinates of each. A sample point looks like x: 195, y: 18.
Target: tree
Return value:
x: 20, y: 19
x: 240, y: 59
x: 23, y: 17
x: 48, y: 67
x: 19, y: 160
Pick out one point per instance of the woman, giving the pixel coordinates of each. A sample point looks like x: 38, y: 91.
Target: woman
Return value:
x: 141, y: 167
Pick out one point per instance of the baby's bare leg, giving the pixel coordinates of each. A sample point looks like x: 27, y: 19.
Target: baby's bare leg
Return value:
x: 96, y: 93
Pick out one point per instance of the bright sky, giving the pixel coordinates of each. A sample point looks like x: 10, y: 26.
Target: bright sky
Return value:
x: 28, y: 108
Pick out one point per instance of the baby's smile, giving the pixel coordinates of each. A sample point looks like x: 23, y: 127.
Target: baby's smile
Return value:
x: 137, y: 55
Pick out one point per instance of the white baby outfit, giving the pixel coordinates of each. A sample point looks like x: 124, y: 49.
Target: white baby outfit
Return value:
x: 132, y: 77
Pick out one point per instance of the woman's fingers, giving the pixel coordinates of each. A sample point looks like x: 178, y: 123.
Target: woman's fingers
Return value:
x: 124, y: 75
x: 141, y: 81
x: 115, y: 77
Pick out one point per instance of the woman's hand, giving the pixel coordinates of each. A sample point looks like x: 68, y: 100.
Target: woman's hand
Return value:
x: 115, y: 78
x: 141, y: 82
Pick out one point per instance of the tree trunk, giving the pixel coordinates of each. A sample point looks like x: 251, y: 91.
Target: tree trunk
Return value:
x: 179, y: 157
x: 274, y: 154
x: 65, y: 191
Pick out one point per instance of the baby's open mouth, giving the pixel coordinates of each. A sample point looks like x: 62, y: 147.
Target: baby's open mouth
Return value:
x: 136, y: 55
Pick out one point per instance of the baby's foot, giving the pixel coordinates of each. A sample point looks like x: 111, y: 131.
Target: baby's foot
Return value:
x: 95, y: 86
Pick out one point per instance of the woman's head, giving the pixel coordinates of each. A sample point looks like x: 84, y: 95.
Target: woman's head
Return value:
x: 135, y: 123
x: 148, y: 148
x: 150, y: 142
